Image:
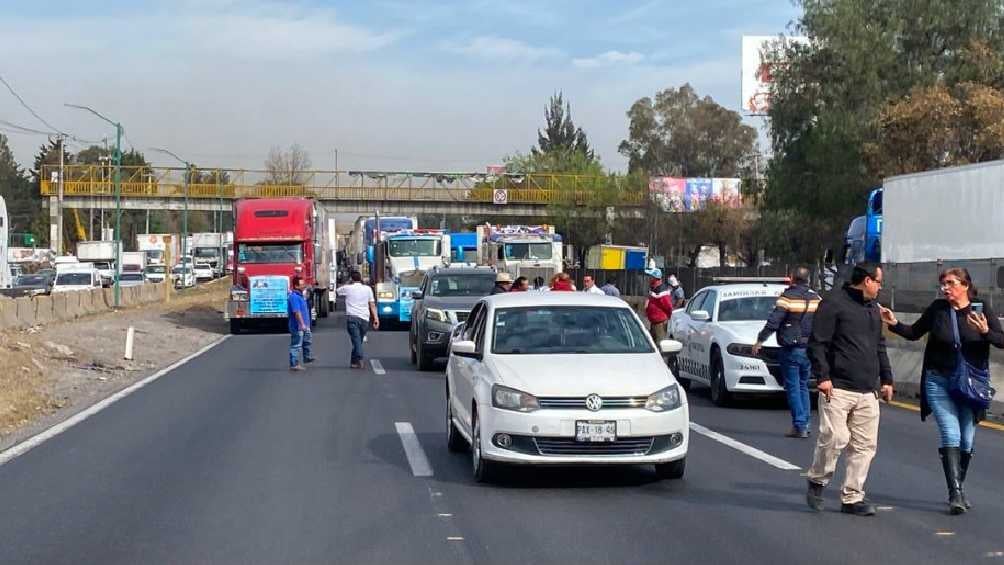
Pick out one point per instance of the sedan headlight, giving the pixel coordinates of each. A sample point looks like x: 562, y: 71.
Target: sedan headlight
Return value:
x: 511, y: 399
x: 664, y: 400
x: 435, y: 315
x: 741, y: 350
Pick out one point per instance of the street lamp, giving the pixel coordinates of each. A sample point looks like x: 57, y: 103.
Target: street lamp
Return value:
x: 117, y: 179
x: 184, y: 216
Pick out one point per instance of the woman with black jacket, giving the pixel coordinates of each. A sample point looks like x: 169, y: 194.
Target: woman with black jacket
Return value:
x: 977, y: 330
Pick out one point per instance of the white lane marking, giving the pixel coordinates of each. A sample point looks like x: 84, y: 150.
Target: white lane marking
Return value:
x: 884, y: 508
x: 377, y: 367
x: 444, y: 515
x: 413, y: 450
x: 455, y: 538
x: 43, y: 436
x: 746, y: 449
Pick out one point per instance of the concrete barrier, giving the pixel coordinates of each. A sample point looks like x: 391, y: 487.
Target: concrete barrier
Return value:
x: 8, y: 313
x: 25, y: 312
x: 97, y: 301
x: 60, y: 306
x: 44, y: 310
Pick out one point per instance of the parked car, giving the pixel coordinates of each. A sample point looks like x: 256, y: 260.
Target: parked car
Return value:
x: 34, y: 284
x: 183, y: 277
x: 155, y: 273
x: 131, y: 279
x: 204, y: 272
x: 443, y: 301
x: 82, y: 277
x: 563, y: 378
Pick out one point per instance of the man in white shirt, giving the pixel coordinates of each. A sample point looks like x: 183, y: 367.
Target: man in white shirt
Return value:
x: 589, y: 285
x: 360, y: 312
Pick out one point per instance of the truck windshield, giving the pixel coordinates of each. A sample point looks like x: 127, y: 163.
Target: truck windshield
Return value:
x: 262, y: 253
x: 207, y: 251
x: 154, y: 254
x: 73, y: 279
x: 414, y: 248
x: 528, y: 251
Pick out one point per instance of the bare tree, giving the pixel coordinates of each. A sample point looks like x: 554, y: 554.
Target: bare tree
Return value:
x: 287, y: 167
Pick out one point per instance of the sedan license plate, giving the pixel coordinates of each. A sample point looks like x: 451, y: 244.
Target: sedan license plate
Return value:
x: 595, y: 431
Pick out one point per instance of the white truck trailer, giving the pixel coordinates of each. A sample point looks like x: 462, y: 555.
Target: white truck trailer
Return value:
x: 534, y: 252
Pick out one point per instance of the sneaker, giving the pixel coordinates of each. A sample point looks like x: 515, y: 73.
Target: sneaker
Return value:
x: 814, y: 496
x: 356, y: 365
x: 860, y: 508
x: 297, y: 368
x: 796, y: 433
x: 311, y: 360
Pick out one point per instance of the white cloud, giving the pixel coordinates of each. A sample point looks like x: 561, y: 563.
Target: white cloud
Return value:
x: 503, y: 48
x: 609, y: 58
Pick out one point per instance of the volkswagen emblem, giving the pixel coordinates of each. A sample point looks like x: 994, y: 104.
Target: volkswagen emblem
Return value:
x: 594, y: 402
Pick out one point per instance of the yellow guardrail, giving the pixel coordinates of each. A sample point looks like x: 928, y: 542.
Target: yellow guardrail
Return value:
x: 158, y: 182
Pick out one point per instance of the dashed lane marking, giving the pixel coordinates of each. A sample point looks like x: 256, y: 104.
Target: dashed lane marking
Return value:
x: 746, y: 449
x: 40, y: 438
x: 944, y: 533
x: 455, y: 538
x: 413, y: 450
x: 377, y: 367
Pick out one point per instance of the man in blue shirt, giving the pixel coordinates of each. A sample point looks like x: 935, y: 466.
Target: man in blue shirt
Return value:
x: 299, y: 327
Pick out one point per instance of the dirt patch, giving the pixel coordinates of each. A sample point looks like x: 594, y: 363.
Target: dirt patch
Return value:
x: 51, y: 372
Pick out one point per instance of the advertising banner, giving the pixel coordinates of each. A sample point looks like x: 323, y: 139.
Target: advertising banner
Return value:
x: 269, y: 294
x: 674, y: 194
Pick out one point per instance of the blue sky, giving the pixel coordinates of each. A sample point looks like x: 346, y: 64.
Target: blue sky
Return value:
x: 393, y: 85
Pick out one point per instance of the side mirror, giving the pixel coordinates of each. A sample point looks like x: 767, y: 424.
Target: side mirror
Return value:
x: 670, y: 346
x: 417, y: 295
x: 464, y: 349
x: 700, y: 316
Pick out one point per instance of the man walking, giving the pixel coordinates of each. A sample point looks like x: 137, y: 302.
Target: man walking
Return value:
x: 360, y: 312
x: 589, y: 285
x: 849, y: 361
x: 300, y: 336
x: 659, y: 306
x: 792, y: 321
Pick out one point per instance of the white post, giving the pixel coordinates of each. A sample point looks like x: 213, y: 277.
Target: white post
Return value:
x: 130, y: 334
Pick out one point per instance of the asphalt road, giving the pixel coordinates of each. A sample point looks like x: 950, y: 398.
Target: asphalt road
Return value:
x: 232, y: 459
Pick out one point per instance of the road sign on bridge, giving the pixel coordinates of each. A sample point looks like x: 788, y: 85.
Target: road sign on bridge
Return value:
x: 500, y: 196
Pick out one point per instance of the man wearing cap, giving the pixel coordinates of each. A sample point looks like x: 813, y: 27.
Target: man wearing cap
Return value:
x: 659, y: 306
x: 503, y: 282
x: 679, y: 296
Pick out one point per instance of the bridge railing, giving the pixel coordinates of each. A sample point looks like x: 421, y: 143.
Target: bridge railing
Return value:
x: 166, y: 182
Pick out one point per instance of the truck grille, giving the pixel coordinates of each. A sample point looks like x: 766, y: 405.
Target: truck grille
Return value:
x: 579, y: 403
x: 531, y: 273
x: 568, y: 446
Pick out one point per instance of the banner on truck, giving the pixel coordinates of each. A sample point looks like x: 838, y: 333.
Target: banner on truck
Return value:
x: 269, y: 294
x: 675, y: 194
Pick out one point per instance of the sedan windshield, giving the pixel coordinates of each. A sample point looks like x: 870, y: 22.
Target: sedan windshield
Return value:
x: 462, y: 285
x: 414, y: 248
x: 73, y: 279
x: 528, y: 251
x: 568, y: 329
x: 751, y: 309
x: 263, y: 253
x: 131, y: 277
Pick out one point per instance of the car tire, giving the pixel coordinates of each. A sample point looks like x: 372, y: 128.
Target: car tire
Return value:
x: 235, y: 326
x: 322, y: 305
x: 671, y: 470
x: 720, y: 394
x: 484, y: 470
x: 454, y: 441
x: 425, y: 362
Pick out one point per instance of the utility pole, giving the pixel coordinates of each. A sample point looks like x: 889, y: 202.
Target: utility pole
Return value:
x: 184, y: 216
x: 59, y: 206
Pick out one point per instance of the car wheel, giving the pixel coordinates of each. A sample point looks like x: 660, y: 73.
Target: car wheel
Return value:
x: 322, y: 305
x: 235, y: 326
x: 424, y: 361
x: 454, y: 441
x: 483, y: 468
x: 720, y: 394
x: 671, y: 470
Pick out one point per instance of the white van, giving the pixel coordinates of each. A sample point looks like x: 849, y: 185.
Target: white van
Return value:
x: 82, y: 276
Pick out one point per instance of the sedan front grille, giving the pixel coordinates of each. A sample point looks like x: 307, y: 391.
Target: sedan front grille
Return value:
x: 568, y: 446
x: 579, y: 403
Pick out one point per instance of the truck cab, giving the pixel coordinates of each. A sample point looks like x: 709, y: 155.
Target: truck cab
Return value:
x: 863, y: 239
x: 408, y: 254
x: 534, y: 252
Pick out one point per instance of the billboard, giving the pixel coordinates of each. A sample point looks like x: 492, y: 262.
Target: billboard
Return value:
x: 756, y: 73
x: 674, y: 194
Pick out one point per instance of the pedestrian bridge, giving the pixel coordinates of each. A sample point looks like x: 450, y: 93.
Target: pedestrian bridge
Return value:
x: 164, y: 188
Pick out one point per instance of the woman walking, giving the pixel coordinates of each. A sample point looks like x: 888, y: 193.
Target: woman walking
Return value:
x: 956, y: 319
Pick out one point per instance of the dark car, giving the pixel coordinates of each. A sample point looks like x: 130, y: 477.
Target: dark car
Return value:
x: 444, y: 300
x: 32, y: 284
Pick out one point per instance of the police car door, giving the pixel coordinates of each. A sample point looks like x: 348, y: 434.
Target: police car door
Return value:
x: 701, y: 337
x: 683, y: 331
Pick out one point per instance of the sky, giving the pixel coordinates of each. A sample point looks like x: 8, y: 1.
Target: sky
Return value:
x: 393, y: 85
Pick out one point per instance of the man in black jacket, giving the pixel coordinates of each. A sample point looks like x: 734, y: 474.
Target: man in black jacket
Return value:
x: 792, y: 321
x: 849, y: 361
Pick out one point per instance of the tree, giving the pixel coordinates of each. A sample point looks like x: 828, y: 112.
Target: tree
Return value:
x: 287, y: 168
x: 681, y: 134
x: 560, y: 134
x: 23, y: 207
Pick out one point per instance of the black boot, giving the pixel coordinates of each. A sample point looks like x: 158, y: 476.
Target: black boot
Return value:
x: 964, y: 458
x: 952, y: 467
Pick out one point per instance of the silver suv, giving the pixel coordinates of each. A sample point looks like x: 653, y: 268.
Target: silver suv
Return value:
x: 444, y: 300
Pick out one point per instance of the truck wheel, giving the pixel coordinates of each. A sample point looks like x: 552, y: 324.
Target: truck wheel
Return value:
x: 235, y: 326
x: 720, y: 394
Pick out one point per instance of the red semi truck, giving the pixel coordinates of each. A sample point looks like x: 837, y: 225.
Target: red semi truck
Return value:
x: 276, y: 239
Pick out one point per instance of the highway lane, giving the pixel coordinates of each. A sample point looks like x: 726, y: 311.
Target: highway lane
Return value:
x: 232, y: 459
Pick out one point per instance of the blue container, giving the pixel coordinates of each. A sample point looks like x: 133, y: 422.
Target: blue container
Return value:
x: 635, y: 260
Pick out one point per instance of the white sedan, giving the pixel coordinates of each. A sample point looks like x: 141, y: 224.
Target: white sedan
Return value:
x: 563, y: 378
x: 718, y: 329
x: 204, y: 272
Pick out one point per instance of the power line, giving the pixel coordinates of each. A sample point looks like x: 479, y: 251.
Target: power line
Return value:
x: 27, y: 107
x: 26, y: 130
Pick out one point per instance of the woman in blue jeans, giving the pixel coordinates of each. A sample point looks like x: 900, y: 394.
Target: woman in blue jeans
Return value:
x: 978, y: 328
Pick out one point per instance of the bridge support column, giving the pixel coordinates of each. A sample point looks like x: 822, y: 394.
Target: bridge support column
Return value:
x: 55, y: 229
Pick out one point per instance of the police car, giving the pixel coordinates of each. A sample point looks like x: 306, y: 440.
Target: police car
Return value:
x: 718, y: 329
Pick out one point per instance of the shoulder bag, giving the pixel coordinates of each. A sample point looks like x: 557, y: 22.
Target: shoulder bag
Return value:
x: 968, y: 384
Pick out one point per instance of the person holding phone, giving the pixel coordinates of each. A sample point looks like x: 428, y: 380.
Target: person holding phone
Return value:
x: 849, y: 361
x: 978, y: 328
